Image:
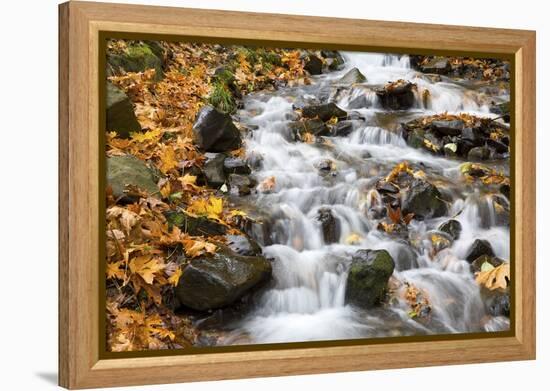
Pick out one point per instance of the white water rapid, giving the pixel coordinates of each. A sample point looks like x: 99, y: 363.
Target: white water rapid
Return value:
x: 306, y: 299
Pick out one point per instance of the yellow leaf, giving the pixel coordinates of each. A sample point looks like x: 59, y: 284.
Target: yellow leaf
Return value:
x: 146, y: 267
x: 151, y: 135
x: 114, y: 271
x: 168, y: 159
x: 127, y: 218
x: 353, y: 239
x: 174, y: 278
x: 166, y: 190
x: 495, y: 278
x: 211, y: 207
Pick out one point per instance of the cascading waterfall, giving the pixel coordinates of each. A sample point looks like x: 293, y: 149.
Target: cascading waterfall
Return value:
x: 306, y: 300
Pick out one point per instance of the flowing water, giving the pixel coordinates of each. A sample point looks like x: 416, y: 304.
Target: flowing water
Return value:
x: 306, y: 300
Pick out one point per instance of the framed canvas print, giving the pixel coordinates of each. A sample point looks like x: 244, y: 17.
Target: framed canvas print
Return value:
x: 248, y: 195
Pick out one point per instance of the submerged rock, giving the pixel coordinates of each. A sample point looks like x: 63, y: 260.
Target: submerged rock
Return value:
x: 120, y: 113
x: 451, y: 227
x: 424, y: 200
x: 128, y: 170
x: 478, y: 248
x: 323, y: 111
x: 330, y: 226
x: 220, y: 280
x: 368, y: 277
x: 215, y: 132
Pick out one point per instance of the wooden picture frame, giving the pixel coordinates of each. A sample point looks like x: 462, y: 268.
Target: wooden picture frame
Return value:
x: 81, y: 364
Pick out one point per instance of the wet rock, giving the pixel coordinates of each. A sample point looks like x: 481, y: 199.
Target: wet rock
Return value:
x: 478, y: 263
x: 196, y: 226
x: 368, y: 277
x: 440, y: 241
x: 215, y: 132
x: 333, y: 59
x: 330, y: 226
x: 235, y: 165
x: 343, y: 128
x: 353, y: 76
x: 316, y: 127
x: 451, y: 227
x: 477, y: 154
x: 243, y: 245
x: 323, y: 111
x: 478, y: 248
x: 386, y: 187
x: 120, y: 113
x: 398, y: 95
x: 505, y: 190
x: 439, y: 65
x: 241, y: 184
x: 498, y: 146
x: 448, y: 128
x: 220, y: 280
x: 129, y: 171
x: 501, y: 109
x: 213, y: 169
x: 313, y: 64
x: 137, y: 57
x: 359, y: 102
x: 405, y: 258
x: 497, y: 303
x: 424, y: 200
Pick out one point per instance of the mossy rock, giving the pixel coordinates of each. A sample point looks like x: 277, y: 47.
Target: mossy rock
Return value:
x: 368, y: 277
x: 194, y: 225
x: 121, y: 117
x: 128, y: 170
x: 137, y: 57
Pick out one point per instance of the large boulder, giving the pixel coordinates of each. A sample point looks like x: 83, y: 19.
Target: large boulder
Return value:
x: 120, y: 113
x: 368, y: 277
x: 125, y: 172
x: 330, y: 226
x: 424, y: 200
x: 323, y: 111
x: 398, y: 95
x: 194, y: 225
x: 215, y: 131
x: 353, y: 76
x: 478, y: 248
x: 217, y: 281
x: 137, y: 57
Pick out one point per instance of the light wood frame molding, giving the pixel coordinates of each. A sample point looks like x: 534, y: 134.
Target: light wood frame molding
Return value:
x: 80, y: 23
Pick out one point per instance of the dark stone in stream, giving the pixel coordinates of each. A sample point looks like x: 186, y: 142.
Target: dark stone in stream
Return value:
x: 497, y: 146
x: 235, y: 165
x: 241, y: 184
x: 505, y: 190
x: 478, y: 248
x: 353, y: 76
x: 405, y: 258
x: 243, y: 245
x: 213, y: 169
x: 343, y: 128
x: 397, y: 95
x: 359, y: 102
x: 316, y: 127
x: 501, y: 109
x: 497, y: 303
x: 120, y: 113
x: 386, y: 187
x: 478, y: 263
x: 451, y: 227
x: 424, y: 200
x: 220, y: 280
x: 215, y: 132
x: 330, y: 226
x: 368, y: 277
x: 477, y: 154
x: 323, y: 111
x: 333, y: 59
x: 313, y: 64
x: 448, y: 128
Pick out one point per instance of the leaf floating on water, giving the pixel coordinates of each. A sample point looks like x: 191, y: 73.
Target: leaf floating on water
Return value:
x: 353, y: 239
x: 496, y: 278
